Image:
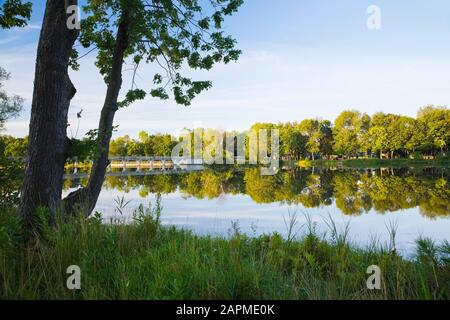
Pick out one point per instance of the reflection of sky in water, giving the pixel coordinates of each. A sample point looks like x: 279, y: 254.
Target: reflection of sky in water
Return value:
x: 215, y: 217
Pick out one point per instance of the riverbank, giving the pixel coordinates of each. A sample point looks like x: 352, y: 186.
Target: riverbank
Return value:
x: 351, y: 163
x: 144, y: 260
x: 376, y: 163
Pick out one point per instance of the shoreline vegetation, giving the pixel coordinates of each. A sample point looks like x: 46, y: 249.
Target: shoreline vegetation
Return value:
x: 141, y: 259
x: 369, y: 163
x: 353, y: 135
x: 361, y: 163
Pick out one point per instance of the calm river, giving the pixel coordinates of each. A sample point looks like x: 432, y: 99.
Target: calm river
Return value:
x: 211, y: 201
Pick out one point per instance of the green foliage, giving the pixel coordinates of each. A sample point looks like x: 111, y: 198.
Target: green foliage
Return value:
x: 12, y: 153
x: 14, y: 13
x: 84, y: 149
x: 168, y: 34
x: 132, y: 96
x: 436, y: 122
x: 353, y: 135
x: 11, y: 175
x: 326, y: 138
x: 11, y: 147
x: 349, y: 129
x: 392, y: 135
x: 119, y: 147
x: 313, y: 131
x: 293, y: 143
x: 147, y: 145
x: 11, y: 232
x: 10, y: 106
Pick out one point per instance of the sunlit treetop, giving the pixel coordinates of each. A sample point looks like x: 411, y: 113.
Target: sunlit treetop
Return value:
x: 170, y: 34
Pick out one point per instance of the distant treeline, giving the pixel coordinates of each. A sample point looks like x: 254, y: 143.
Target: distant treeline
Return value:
x: 353, y: 134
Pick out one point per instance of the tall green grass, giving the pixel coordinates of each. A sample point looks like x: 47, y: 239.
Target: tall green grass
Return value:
x: 143, y: 260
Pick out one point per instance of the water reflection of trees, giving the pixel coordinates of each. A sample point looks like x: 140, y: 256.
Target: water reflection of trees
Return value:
x: 355, y: 191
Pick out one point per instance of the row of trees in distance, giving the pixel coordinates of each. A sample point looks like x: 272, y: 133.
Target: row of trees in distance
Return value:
x: 353, y: 134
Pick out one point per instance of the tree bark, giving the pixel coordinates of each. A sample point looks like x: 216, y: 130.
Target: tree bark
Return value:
x: 52, y: 93
x: 83, y: 201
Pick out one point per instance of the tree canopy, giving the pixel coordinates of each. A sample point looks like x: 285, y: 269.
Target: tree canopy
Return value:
x: 172, y: 35
x: 392, y: 135
x: 354, y: 134
x: 14, y: 13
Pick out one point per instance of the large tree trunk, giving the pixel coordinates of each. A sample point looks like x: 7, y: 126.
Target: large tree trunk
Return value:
x: 84, y: 200
x: 52, y: 93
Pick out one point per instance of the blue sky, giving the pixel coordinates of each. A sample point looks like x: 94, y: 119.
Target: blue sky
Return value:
x: 302, y: 58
